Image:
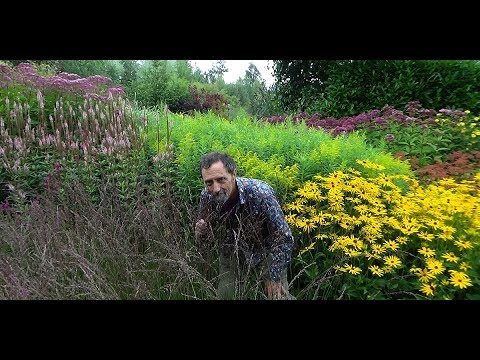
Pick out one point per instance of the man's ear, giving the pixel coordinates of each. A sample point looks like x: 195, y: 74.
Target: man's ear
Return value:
x: 235, y: 173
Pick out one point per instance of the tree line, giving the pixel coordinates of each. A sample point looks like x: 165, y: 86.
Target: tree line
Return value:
x: 335, y: 88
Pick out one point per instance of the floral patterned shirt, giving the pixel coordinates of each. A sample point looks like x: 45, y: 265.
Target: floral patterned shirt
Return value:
x: 258, y: 219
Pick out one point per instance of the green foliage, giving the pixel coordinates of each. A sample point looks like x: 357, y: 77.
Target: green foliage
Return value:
x: 130, y: 70
x: 345, y: 88
x: 126, y: 176
x: 299, y: 82
x: 157, y: 83
x: 341, y: 153
x: 429, y: 144
x: 252, y: 93
x: 187, y: 162
x: 281, y: 154
x: 358, y: 86
x: 184, y: 70
x: 282, y: 178
x: 112, y: 69
x: 215, y: 73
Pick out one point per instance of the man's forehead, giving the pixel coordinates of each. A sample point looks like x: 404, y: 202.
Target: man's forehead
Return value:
x: 215, y: 172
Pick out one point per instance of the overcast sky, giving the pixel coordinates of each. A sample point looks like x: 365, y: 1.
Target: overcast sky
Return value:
x: 237, y: 68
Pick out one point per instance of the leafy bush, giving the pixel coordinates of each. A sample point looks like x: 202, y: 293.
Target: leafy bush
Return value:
x: 347, y: 87
x: 202, y: 101
x: 426, y: 135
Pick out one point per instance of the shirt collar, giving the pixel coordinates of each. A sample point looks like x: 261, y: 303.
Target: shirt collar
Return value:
x: 241, y: 189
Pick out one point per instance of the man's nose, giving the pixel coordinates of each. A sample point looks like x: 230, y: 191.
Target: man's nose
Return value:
x: 216, y: 188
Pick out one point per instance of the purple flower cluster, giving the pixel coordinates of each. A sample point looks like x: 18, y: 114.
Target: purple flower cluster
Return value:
x: 453, y: 113
x: 275, y: 119
x: 375, y: 118
x: 25, y: 74
x: 415, y: 109
x: 334, y: 126
x: 4, y: 205
x: 202, y: 101
x: 390, y: 137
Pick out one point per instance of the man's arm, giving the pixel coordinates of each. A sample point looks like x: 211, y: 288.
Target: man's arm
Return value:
x: 203, y: 224
x: 274, y: 290
x: 280, y: 239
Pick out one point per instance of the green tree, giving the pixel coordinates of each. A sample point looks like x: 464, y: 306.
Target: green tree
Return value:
x: 215, y: 73
x: 298, y: 81
x: 130, y: 70
x: 253, y: 75
x: 257, y: 91
x: 151, y: 83
x: 199, y: 76
x: 347, y: 87
x: 184, y: 70
x: 158, y: 83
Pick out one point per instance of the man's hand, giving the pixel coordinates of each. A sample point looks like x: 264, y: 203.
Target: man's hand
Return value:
x: 274, y: 290
x: 201, y: 228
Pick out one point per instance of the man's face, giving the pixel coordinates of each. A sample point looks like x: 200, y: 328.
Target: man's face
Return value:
x: 219, y: 182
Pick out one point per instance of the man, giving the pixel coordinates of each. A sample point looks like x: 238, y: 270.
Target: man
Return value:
x: 257, y: 238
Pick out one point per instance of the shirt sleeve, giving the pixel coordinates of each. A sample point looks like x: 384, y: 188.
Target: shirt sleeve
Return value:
x: 203, y: 207
x: 205, y: 210
x: 280, y: 238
